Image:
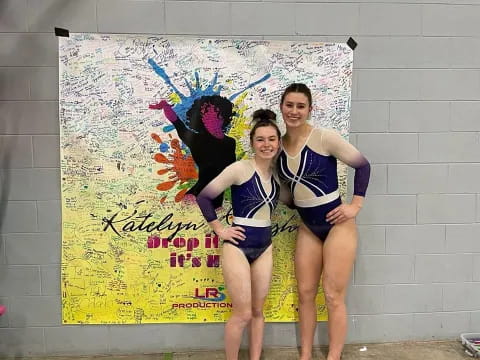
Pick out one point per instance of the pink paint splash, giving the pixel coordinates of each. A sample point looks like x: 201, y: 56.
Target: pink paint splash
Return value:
x: 212, y: 120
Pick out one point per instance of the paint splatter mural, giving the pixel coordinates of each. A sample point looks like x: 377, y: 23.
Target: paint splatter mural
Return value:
x: 146, y: 123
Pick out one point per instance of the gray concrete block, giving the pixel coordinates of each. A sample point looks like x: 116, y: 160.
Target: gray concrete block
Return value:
x: 440, y: 325
x: 22, y: 49
x: 381, y: 328
x: 464, y: 52
x: 77, y: 16
x: 121, y: 17
x: 32, y: 249
x: 446, y: 208
x: 136, y: 339
x: 465, y: 115
x: 205, y: 336
x: 206, y: 333
x: 378, y: 84
x: 413, y: 298
x: 21, y: 342
x: 31, y: 311
x: 32, y: 184
x: 388, y: 209
x: 44, y: 84
x: 50, y: 275
x: 478, y: 207
x: 13, y: 16
x: 26, y: 117
x: 390, y: 19
x: 46, y: 151
x: 371, y: 240
x: 2, y: 250
x: 321, y: 337
x: 350, y: 330
x: 13, y: 84
x: 476, y: 267
x: 450, y: 20
x: 415, y: 239
x: 474, y: 321
x: 369, y: 116
x: 446, y: 84
x: 463, y: 238
x: 417, y: 178
x: 20, y: 280
x: 351, y: 174
x: 443, y: 268
x: 263, y: 18
x: 365, y: 299
x: 76, y: 340
x: 322, y: 19
x: 386, y: 52
x: 389, y: 148
x: 49, y: 216
x: 449, y: 147
x: 17, y: 152
x: 419, y: 116
x: 378, y: 180
x: 461, y: 296
x: 197, y: 17
x: 383, y: 269
x: 19, y: 217
x: 283, y: 333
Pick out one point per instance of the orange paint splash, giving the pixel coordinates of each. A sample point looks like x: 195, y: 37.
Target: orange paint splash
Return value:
x: 180, y: 168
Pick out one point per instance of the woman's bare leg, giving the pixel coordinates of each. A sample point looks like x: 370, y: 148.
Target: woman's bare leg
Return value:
x: 338, y: 257
x: 236, y: 273
x: 308, y: 268
x: 261, y: 275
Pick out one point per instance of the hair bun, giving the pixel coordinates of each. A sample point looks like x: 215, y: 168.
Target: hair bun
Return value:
x: 266, y: 115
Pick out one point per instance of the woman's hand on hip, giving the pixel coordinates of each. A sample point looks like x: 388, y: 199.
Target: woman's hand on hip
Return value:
x: 232, y: 233
x: 342, y: 213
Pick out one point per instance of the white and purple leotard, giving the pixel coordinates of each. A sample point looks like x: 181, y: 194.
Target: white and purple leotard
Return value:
x: 311, y: 176
x: 253, y: 201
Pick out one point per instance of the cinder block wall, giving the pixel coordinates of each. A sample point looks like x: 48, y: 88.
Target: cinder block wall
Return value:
x: 415, y: 114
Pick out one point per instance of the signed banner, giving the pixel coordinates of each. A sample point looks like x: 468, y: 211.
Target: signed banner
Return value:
x: 146, y: 122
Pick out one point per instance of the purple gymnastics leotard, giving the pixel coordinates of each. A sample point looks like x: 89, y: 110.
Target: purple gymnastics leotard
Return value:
x: 253, y: 201
x: 311, y: 176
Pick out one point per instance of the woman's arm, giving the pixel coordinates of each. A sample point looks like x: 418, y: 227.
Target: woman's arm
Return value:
x: 228, y: 177
x: 335, y: 145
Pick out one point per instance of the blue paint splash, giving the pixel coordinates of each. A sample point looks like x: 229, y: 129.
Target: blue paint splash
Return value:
x: 196, y: 92
x: 164, y: 147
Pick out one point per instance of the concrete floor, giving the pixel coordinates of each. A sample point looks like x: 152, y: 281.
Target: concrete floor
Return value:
x: 437, y: 350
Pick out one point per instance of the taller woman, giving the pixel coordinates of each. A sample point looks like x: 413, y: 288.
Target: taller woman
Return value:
x: 327, y: 237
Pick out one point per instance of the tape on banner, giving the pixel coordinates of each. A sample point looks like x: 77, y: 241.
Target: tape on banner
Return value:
x: 352, y: 43
x: 62, y: 32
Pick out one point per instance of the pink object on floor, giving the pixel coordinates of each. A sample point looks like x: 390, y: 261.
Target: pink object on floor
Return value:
x: 2, y: 310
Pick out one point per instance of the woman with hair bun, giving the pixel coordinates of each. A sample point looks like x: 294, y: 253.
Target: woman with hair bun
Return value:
x: 247, y: 244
